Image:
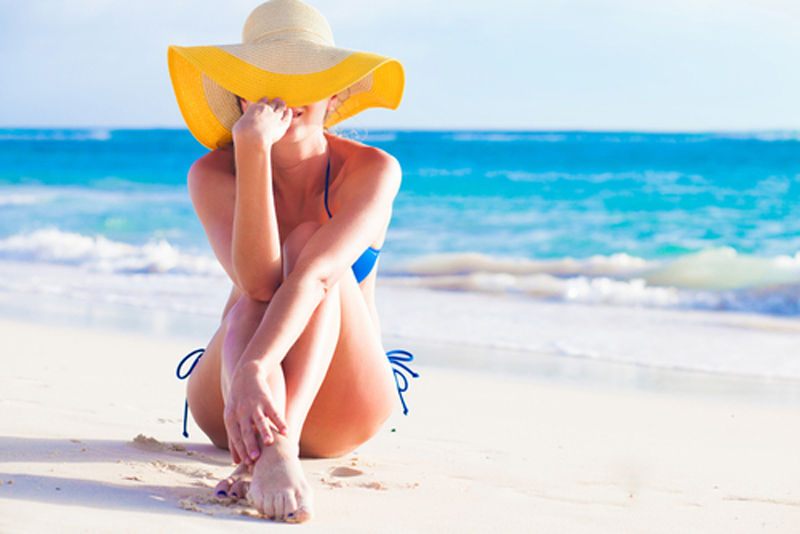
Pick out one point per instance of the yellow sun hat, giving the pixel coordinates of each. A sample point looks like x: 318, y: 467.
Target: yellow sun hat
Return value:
x: 287, y: 51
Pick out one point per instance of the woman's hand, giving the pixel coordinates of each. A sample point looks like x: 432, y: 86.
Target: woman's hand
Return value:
x: 265, y: 121
x: 250, y: 414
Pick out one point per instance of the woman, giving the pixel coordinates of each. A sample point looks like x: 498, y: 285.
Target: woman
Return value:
x: 297, y: 218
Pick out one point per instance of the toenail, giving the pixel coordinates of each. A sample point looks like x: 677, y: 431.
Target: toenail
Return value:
x: 222, y: 493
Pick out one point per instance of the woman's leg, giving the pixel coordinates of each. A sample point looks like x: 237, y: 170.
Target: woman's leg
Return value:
x: 335, y: 382
x: 204, y: 391
x: 207, y: 387
x: 339, y: 384
x: 359, y: 392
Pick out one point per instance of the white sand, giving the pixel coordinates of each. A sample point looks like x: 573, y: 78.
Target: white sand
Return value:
x: 478, y: 453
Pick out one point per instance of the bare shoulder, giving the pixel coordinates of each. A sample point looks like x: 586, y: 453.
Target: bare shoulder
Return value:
x: 211, y: 173
x: 216, y: 164
x: 366, y: 162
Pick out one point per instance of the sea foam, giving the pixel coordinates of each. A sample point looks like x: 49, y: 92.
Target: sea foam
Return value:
x: 52, y: 246
x: 713, y: 279
x: 21, y: 199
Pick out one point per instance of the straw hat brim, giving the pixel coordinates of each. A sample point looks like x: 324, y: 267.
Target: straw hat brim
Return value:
x: 206, y: 78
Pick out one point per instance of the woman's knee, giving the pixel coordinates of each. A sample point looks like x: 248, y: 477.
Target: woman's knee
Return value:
x: 345, y: 438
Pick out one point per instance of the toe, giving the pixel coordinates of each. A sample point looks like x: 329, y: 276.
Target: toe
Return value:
x: 303, y: 508
x: 268, y: 506
x: 255, y: 498
x: 264, y: 504
x: 300, y: 516
x: 239, y: 488
x: 278, y: 503
x: 289, y: 507
x: 223, y: 489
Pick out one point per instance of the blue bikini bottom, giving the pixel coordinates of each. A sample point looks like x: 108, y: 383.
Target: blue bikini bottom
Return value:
x: 397, y: 358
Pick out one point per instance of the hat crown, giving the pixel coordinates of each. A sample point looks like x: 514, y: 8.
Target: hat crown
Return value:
x: 286, y: 20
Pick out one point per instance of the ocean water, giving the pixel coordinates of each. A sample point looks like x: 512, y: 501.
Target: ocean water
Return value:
x: 677, y: 222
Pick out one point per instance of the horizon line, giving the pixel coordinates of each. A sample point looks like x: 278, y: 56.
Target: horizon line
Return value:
x: 665, y: 131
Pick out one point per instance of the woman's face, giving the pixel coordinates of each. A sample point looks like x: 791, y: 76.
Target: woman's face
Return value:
x: 306, y: 120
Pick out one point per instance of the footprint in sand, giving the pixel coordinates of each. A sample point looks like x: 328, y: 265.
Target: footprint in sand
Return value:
x: 351, y: 472
x: 345, y: 472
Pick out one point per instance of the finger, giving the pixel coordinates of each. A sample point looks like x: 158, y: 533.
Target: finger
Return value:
x: 250, y: 441
x: 234, y: 455
x: 278, y: 104
x: 277, y: 419
x: 238, y: 450
x: 231, y: 426
x: 262, y: 423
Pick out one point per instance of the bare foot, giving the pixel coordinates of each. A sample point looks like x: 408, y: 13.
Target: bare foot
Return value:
x: 278, y: 488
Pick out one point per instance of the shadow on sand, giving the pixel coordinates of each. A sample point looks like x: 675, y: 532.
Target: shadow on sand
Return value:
x: 93, y: 491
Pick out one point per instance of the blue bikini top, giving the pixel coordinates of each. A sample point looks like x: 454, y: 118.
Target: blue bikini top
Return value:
x: 366, y: 262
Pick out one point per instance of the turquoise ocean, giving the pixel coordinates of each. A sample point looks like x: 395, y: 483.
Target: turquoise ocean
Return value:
x: 685, y: 222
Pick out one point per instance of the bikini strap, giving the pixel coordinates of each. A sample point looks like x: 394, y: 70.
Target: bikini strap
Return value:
x: 197, y: 354
x: 327, y: 178
x: 398, y: 360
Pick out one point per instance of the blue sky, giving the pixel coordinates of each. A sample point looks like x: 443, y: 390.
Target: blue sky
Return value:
x: 651, y: 65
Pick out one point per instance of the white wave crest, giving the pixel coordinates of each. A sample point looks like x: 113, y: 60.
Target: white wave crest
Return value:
x: 474, y: 263
x: 22, y: 199
x: 711, y: 269
x: 600, y: 290
x: 103, y: 255
x: 713, y: 279
x: 724, y: 268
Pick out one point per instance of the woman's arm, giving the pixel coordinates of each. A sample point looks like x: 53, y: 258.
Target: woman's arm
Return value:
x: 256, y: 245
x: 238, y: 212
x: 364, y: 203
x: 212, y: 187
x: 364, y: 206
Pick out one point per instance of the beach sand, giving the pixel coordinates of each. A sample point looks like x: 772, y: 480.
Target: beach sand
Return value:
x: 90, y: 441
